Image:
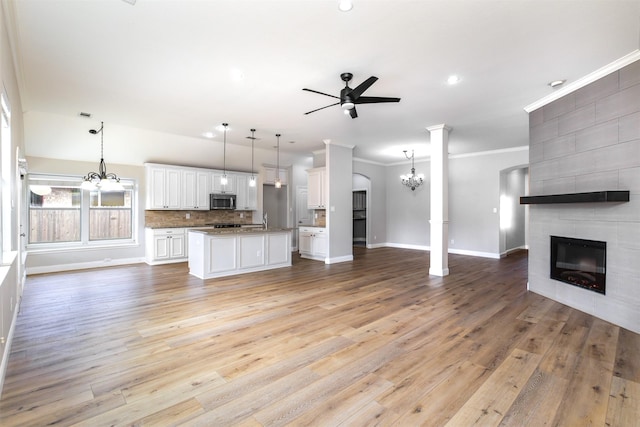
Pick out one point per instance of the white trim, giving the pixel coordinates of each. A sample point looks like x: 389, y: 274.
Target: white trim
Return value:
x: 82, y: 265
x: 335, y: 260
x: 439, y: 272
x: 405, y: 246
x: 474, y: 253
x: 490, y: 152
x: 357, y: 159
x: 582, y: 82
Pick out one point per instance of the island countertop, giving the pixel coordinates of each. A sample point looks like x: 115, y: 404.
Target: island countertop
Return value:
x: 241, y: 230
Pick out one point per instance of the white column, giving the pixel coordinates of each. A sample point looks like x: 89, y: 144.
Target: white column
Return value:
x: 439, y: 256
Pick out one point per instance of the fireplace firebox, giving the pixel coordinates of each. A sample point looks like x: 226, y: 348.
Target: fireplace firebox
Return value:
x: 579, y: 262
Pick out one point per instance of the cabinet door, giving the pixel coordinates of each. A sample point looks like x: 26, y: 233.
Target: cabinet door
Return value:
x: 304, y: 242
x: 246, y: 195
x: 178, y: 246
x: 315, y: 189
x: 319, y: 245
x: 173, y: 188
x: 161, y: 247
x: 203, y: 181
x: 189, y: 189
x: 156, y: 188
x: 218, y: 187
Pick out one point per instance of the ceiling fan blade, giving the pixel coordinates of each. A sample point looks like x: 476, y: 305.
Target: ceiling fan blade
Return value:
x: 374, y: 99
x: 321, y: 93
x: 353, y: 113
x: 321, y: 108
x: 359, y: 90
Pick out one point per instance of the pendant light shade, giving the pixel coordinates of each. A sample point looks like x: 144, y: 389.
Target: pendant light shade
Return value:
x: 223, y: 179
x: 102, y: 180
x: 278, y: 182
x: 252, y: 180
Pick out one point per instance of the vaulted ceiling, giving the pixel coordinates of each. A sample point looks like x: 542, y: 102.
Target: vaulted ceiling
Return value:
x: 182, y: 67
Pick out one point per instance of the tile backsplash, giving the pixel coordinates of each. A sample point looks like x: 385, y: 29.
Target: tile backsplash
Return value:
x: 158, y: 219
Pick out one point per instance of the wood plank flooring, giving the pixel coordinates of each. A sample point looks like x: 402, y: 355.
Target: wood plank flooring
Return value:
x: 373, y: 342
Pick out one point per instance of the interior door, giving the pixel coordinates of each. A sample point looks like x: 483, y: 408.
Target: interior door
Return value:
x: 304, y: 215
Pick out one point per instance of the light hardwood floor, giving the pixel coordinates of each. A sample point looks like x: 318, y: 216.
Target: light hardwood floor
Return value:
x: 376, y: 341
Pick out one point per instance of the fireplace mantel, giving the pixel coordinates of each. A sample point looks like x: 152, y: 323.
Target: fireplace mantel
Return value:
x: 591, y: 197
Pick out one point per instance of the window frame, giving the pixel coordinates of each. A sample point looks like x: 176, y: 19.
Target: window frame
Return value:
x: 85, y: 202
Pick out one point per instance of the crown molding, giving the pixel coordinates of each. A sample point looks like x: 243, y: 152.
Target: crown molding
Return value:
x: 582, y: 82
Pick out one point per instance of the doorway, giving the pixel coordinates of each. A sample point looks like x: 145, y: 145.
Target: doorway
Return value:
x: 360, y: 218
x: 275, y: 205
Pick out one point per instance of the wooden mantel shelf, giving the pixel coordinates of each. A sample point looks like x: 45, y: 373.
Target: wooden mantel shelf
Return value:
x: 591, y: 197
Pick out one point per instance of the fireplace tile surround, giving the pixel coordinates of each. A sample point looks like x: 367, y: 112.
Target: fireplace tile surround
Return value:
x: 589, y: 141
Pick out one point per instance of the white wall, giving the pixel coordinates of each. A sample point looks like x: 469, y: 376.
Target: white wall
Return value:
x: 474, y: 193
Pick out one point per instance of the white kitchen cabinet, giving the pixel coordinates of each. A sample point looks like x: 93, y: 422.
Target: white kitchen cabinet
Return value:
x: 166, y: 245
x: 246, y: 195
x: 163, y: 187
x: 312, y: 242
x: 228, y: 188
x: 196, y: 186
x: 316, y: 188
x: 270, y: 176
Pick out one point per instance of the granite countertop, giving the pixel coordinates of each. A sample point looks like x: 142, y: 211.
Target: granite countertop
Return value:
x: 311, y: 225
x: 254, y: 230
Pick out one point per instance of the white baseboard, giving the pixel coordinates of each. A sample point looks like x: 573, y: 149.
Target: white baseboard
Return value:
x: 82, y: 265
x: 335, y: 260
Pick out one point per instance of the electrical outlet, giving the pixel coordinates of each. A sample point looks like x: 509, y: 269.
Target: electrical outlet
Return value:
x: 452, y: 241
x: 241, y: 214
x: 188, y: 216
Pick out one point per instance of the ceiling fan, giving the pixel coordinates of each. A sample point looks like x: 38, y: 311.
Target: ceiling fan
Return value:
x: 349, y: 98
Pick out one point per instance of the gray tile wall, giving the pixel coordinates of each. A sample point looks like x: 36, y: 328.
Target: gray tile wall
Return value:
x: 589, y: 140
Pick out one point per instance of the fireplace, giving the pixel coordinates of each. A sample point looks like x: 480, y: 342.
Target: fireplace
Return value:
x: 579, y: 262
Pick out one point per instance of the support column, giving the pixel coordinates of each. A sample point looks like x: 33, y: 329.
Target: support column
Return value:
x: 439, y: 256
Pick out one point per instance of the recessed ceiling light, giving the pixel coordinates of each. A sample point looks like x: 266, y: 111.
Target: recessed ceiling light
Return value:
x: 208, y: 134
x: 237, y: 75
x: 452, y: 80
x: 556, y: 83
x: 221, y: 128
x: 345, y: 5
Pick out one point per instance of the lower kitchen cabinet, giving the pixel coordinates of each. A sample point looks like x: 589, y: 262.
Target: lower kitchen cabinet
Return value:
x: 312, y: 242
x: 165, y: 245
x: 217, y: 254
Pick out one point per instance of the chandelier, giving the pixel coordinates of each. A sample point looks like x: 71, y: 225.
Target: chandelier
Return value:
x: 101, y: 179
x: 412, y: 180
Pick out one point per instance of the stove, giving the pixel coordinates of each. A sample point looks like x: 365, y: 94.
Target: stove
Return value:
x: 225, y: 225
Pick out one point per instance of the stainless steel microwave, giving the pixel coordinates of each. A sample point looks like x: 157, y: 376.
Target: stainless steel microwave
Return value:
x: 222, y: 201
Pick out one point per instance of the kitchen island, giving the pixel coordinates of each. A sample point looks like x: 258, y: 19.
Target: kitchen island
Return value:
x: 218, y: 253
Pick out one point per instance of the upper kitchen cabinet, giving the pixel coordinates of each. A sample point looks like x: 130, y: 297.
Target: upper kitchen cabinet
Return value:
x: 196, y: 186
x: 246, y: 195
x: 270, y: 175
x: 229, y: 187
x: 316, y: 188
x: 164, y: 186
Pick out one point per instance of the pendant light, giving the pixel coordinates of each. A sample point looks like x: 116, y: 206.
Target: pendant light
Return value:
x: 412, y: 180
x: 223, y: 179
x: 252, y: 180
x: 101, y: 179
x: 278, y: 182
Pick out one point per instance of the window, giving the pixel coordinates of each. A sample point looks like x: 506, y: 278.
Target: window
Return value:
x: 5, y: 165
x: 62, y: 213
x: 110, y: 215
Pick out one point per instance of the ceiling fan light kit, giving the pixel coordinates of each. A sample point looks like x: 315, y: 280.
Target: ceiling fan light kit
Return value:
x: 349, y: 97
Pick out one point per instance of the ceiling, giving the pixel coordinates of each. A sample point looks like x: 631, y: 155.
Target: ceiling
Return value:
x: 182, y: 67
